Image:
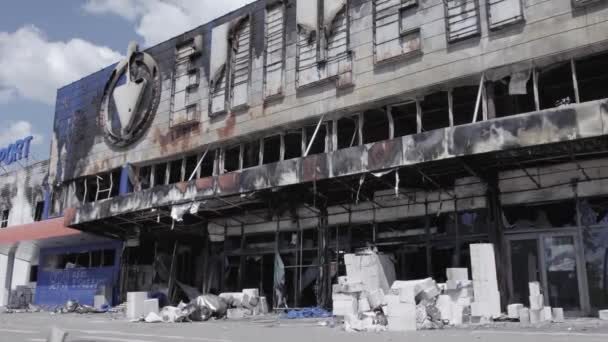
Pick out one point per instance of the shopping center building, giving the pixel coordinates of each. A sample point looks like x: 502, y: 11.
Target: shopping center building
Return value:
x: 282, y: 135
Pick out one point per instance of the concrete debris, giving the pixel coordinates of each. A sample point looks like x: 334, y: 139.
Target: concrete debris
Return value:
x: 524, y: 315
x: 558, y: 315
x: 153, y: 318
x: 603, y: 314
x: 513, y: 310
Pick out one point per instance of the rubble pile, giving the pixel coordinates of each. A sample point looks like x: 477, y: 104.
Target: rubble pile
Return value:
x: 201, y: 308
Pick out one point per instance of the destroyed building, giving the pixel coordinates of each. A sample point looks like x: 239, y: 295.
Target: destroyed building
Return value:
x: 256, y: 150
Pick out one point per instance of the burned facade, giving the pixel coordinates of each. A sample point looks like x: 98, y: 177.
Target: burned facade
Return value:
x: 279, y: 137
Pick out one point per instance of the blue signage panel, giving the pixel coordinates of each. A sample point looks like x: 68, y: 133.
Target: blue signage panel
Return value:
x: 16, y: 151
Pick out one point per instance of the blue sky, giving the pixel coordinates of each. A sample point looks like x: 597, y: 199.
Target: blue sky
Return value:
x: 47, y: 44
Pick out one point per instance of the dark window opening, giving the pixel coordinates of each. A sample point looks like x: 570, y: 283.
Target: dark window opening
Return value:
x: 404, y: 119
x: 435, y: 111
x: 96, y: 259
x: 463, y: 104
x: 293, y: 144
x: 592, y: 77
x: 251, y: 154
x: 232, y: 158
x: 555, y: 86
x: 207, y: 165
x: 160, y: 174
x: 38, y: 211
x: 83, y: 259
x: 506, y: 104
x: 145, y: 177
x: 114, y: 183
x: 272, y: 149
x: 191, y: 162
x: 33, y: 273
x: 175, y: 171
x: 91, y: 188
x: 318, y: 145
x: 4, y: 218
x: 348, y: 132
x: 108, y: 257
x: 375, y: 126
x: 551, y: 215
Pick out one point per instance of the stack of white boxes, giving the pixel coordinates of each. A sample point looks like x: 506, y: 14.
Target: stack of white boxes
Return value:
x: 401, y: 309
x: 135, y: 305
x: 374, y: 271
x: 485, y: 283
x: 537, y: 307
x: 459, y: 292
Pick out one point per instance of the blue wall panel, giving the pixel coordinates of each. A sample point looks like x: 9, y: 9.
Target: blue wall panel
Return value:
x: 57, y: 286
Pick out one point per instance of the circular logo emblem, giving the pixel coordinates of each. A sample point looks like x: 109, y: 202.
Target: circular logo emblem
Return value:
x: 130, y: 98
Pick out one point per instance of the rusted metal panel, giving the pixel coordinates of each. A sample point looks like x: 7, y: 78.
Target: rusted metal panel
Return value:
x: 462, y: 19
x: 349, y: 161
x: 315, y: 167
x: 504, y: 12
x: 205, y: 186
x: 385, y: 154
x: 284, y: 173
x: 229, y: 184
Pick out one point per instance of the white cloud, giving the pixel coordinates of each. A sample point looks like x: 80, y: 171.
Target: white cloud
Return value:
x: 32, y: 67
x: 159, y: 20
x: 18, y: 130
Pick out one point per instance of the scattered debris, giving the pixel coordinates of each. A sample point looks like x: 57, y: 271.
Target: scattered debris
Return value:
x: 306, y: 313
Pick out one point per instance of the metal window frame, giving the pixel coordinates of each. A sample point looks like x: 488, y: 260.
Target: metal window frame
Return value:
x: 190, y: 87
x: 518, y: 19
x: 282, y: 6
x: 406, y: 5
x: 231, y: 65
x: 447, y: 24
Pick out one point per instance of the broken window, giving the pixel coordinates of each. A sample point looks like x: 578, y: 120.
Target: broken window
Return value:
x: 38, y: 211
x: 207, y: 165
x: 218, y: 69
x: 504, y: 12
x: 404, y: 119
x: 513, y: 97
x: 376, y: 126
x: 348, y: 132
x: 274, y: 54
x: 272, y: 149
x: 293, y: 144
x: 551, y: 215
x: 320, y: 141
x: 594, y: 217
x: 592, y: 77
x: 462, y: 19
x: 463, y: 104
x: 323, y: 50
x: 232, y: 159
x: 145, y: 177
x: 240, y: 62
x: 4, y: 218
x: 160, y: 174
x: 555, y: 86
x: 251, y: 154
x: 185, y: 83
x: 435, y: 111
x: 191, y: 162
x: 175, y: 171
x: 396, y: 29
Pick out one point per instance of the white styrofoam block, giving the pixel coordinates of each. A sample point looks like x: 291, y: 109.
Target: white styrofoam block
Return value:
x: 151, y: 305
x: 557, y: 315
x: 396, y: 308
x: 444, y: 305
x: 457, y: 273
x: 458, y: 284
x: 466, y: 292
x: 376, y: 298
x: 603, y: 315
x: 483, y: 262
x: 513, y: 310
x: 99, y: 301
x: 488, y: 307
x: 406, y: 295
x: 402, y: 323
x: 342, y: 280
x: 534, y: 288
x: 364, y: 305
x: 537, y: 302
x: 479, y: 309
x: 536, y: 316
x: 524, y: 315
x: 252, y: 293
x: 345, y: 305
x: 457, y: 314
x: 547, y: 314
x: 135, y: 305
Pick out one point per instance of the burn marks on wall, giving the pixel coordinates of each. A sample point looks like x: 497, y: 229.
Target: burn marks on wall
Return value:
x: 323, y: 43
